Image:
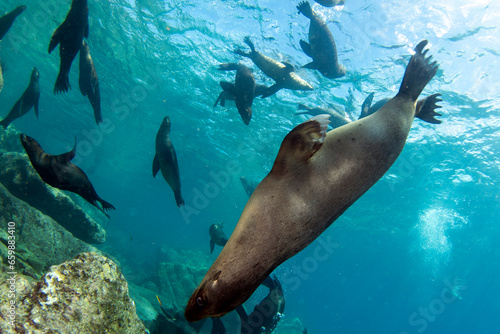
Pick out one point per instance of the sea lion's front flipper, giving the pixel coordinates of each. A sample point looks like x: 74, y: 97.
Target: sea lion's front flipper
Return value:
x: 66, y: 157
x: 156, y: 165
x: 269, y: 91
x: 366, y: 106
x: 310, y: 65
x: 306, y: 47
x: 212, y: 246
x: 228, y: 87
x: 55, y: 39
x: 289, y: 67
x: 425, y: 108
x: 301, y: 144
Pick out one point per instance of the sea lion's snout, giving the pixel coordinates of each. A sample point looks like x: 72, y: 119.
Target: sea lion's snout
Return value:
x: 196, y: 308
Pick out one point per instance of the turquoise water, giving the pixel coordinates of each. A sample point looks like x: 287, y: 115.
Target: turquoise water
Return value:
x: 428, y: 227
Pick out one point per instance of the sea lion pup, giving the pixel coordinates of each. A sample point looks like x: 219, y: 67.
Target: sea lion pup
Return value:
x: 427, y: 107
x: 28, y: 100
x: 166, y: 160
x: 321, y: 47
x: 57, y: 171
x: 88, y: 81
x: 70, y: 36
x: 282, y: 73
x: 330, y: 3
x: 7, y: 20
x: 314, y: 179
x: 243, y: 89
x: 267, y: 313
x: 217, y: 236
x: 231, y: 89
x: 337, y: 116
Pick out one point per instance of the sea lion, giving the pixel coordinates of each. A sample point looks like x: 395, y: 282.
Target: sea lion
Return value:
x: 330, y: 3
x: 337, y: 116
x: 7, y: 20
x: 88, y: 81
x: 166, y: 160
x: 248, y: 185
x: 28, y: 100
x: 70, y: 35
x: 316, y: 176
x: 427, y: 105
x: 243, y: 89
x: 282, y: 73
x: 267, y: 313
x: 57, y: 171
x: 321, y: 47
x: 227, y: 94
x: 217, y: 236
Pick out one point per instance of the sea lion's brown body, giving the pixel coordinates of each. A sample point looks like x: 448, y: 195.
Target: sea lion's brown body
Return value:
x: 311, y: 184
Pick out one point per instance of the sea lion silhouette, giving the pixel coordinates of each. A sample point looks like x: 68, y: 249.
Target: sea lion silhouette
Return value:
x: 58, y: 172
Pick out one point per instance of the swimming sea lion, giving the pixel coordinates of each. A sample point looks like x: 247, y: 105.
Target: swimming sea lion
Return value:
x: 217, y: 236
x: 231, y: 89
x: 7, y: 20
x: 70, y: 36
x: 282, y: 73
x: 166, y: 160
x: 243, y: 89
x: 321, y: 47
x: 28, y: 100
x: 427, y: 107
x: 330, y: 3
x: 314, y: 179
x: 88, y: 81
x: 337, y: 116
x: 57, y: 171
x: 267, y: 313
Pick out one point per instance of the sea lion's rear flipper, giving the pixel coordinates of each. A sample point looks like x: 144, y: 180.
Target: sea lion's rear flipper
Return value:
x: 418, y: 73
x: 305, y: 8
x: 156, y: 164
x: 426, y: 108
x: 221, y: 99
x: 269, y: 91
x: 212, y: 246
x: 306, y: 47
x: 311, y: 66
x: 366, y: 106
x: 105, y: 205
x: 301, y: 144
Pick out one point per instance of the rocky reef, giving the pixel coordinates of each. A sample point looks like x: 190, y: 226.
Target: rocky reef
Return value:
x: 85, y: 295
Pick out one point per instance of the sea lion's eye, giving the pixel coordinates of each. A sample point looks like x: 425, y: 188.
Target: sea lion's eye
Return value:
x: 200, y: 302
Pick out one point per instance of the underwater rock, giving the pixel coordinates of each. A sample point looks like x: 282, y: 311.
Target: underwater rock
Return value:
x: 9, y: 141
x: 85, y: 295
x: 22, y: 181
x: 40, y: 241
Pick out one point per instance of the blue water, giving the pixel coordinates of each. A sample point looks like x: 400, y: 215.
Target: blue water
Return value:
x: 417, y: 253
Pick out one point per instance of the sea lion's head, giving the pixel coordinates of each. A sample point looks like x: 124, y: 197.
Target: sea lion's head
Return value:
x: 165, y: 125
x: 35, y: 75
x: 30, y: 145
x: 213, y: 298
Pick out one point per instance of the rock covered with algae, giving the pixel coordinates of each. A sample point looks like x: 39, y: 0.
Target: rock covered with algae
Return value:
x: 40, y: 242
x: 85, y: 295
x: 22, y: 181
